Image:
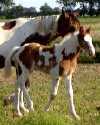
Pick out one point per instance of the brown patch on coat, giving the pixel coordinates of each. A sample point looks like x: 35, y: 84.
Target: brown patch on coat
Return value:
x: 69, y: 62
x: 30, y: 54
x: 9, y: 25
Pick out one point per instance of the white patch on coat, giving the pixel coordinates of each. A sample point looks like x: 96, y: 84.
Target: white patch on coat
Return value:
x: 69, y: 43
x: 25, y: 27
x: 46, y: 55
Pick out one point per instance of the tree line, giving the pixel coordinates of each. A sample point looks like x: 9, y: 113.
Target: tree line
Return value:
x: 8, y: 9
x: 20, y: 11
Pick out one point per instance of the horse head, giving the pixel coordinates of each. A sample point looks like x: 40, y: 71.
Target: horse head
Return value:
x: 85, y: 40
x: 66, y: 20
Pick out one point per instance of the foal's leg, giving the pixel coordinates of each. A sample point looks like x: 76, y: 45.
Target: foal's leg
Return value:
x: 19, y: 73
x: 25, y: 92
x: 68, y: 82
x: 22, y: 105
x: 27, y: 85
x: 17, y: 98
x: 54, y: 89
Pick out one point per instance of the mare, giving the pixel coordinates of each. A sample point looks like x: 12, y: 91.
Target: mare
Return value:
x: 42, y: 29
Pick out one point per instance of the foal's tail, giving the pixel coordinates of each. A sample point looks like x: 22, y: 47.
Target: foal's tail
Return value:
x: 8, y: 61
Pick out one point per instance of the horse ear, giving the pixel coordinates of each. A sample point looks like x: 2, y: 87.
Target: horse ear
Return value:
x: 65, y: 13
x: 62, y: 10
x: 88, y: 30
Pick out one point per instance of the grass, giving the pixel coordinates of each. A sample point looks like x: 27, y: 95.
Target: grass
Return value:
x: 86, y: 87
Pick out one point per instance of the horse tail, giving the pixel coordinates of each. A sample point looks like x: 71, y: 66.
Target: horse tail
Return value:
x: 8, y: 61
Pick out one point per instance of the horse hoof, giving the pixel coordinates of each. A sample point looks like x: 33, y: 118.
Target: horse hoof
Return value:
x: 77, y: 117
x: 26, y: 110
x: 20, y: 114
x: 17, y: 114
x: 46, y: 109
x: 31, y: 109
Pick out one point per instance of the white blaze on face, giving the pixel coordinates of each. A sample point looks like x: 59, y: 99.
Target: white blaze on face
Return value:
x: 88, y: 39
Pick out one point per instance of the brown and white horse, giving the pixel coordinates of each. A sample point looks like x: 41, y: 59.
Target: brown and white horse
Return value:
x: 22, y: 30
x: 59, y: 60
x: 40, y: 29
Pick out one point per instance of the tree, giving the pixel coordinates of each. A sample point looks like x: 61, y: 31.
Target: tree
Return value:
x: 46, y: 9
x: 91, y: 10
x: 6, y: 3
x: 64, y: 2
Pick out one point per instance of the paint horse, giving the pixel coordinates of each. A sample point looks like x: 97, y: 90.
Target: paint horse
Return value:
x: 22, y: 30
x: 59, y: 60
x: 40, y: 29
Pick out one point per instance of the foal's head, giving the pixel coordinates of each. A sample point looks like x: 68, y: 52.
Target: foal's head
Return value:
x: 85, y: 40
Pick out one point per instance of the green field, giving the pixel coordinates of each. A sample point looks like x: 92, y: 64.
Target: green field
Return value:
x: 86, y: 85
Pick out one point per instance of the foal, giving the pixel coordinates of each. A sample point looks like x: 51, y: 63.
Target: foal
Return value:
x: 59, y: 59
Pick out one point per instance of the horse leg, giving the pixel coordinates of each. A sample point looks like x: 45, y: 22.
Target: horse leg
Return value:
x: 22, y: 105
x: 54, y: 89
x: 18, y: 73
x: 68, y: 82
x: 9, y: 99
x: 17, y: 98
x: 25, y: 92
x: 27, y: 85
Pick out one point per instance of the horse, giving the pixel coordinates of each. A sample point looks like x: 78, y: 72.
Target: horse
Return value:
x: 42, y: 29
x: 16, y: 32
x: 59, y: 60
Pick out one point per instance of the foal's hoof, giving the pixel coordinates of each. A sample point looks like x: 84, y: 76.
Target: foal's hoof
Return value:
x: 16, y: 114
x: 19, y: 114
x: 31, y: 109
x: 77, y: 117
x: 26, y: 110
x: 46, y: 109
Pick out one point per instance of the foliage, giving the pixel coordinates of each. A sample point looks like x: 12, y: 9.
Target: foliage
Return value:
x: 6, y: 2
x: 45, y: 9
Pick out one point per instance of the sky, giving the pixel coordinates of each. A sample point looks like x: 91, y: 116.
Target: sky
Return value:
x: 36, y: 3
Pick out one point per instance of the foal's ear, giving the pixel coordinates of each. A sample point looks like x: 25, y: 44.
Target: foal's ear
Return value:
x: 88, y: 30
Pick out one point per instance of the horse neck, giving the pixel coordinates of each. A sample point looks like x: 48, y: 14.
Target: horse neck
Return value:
x: 69, y: 44
x: 49, y: 23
